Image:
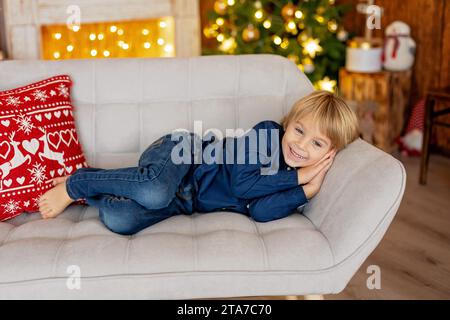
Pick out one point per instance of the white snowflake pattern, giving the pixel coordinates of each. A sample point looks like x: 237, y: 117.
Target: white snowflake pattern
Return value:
x: 13, y: 101
x: 52, y: 93
x: 11, y: 206
x: 40, y: 95
x: 26, y: 203
x: 26, y: 98
x: 38, y: 173
x: 36, y: 200
x: 63, y: 90
x: 24, y: 123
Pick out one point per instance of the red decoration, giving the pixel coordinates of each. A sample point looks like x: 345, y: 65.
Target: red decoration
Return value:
x: 38, y: 142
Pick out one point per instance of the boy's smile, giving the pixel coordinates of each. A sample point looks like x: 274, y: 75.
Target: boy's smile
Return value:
x: 303, y: 144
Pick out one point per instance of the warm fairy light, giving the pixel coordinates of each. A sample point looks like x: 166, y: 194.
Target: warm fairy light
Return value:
x: 76, y: 28
x: 298, y: 14
x: 320, y: 19
x: 168, y: 48
x: 220, y: 21
x: 291, y: 26
x: 277, y: 40
x: 332, y: 26
x: 114, y: 39
x: 365, y: 46
x: 228, y: 45
x: 327, y: 84
x: 284, y: 44
x: 267, y: 24
x: 220, y: 37
x: 311, y: 47
x: 230, y: 2
x: 259, y: 14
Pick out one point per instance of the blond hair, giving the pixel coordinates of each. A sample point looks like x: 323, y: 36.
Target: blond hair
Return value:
x: 334, y: 117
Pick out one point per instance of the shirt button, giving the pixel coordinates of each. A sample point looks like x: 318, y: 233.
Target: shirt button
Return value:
x: 289, y: 168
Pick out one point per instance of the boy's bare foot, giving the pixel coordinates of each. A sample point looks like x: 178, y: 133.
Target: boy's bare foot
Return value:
x: 59, y: 180
x: 54, y: 201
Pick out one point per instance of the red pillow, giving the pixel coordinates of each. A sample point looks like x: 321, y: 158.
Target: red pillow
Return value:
x: 38, y: 142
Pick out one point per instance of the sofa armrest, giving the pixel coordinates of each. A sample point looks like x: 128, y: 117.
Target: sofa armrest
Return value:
x: 359, y: 198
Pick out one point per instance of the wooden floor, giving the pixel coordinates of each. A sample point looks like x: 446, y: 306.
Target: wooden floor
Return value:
x: 414, y: 255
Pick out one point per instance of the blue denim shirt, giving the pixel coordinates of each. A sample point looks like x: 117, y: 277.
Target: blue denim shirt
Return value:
x: 265, y: 191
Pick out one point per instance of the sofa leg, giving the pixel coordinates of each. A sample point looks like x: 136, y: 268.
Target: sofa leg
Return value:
x: 314, y: 297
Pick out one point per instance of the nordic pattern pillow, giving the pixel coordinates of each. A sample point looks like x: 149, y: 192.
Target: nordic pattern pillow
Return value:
x: 38, y: 142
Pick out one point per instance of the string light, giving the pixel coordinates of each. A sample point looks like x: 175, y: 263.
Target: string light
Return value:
x: 267, y: 24
x: 298, y: 14
x: 259, y: 14
x: 230, y: 2
x: 60, y: 43
x: 277, y: 40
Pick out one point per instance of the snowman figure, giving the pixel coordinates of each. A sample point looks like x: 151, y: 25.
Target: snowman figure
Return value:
x: 399, y: 47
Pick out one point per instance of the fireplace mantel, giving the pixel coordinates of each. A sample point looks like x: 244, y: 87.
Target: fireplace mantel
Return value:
x: 24, y: 18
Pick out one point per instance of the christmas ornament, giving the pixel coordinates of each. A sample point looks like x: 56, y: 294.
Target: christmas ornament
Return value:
x: 220, y: 6
x: 288, y: 11
x: 250, y: 33
x: 399, y: 47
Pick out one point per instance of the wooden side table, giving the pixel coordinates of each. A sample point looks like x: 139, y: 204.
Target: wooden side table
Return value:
x: 441, y: 96
x: 380, y: 100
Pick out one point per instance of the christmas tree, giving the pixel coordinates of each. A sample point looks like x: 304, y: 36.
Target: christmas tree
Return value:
x: 308, y: 32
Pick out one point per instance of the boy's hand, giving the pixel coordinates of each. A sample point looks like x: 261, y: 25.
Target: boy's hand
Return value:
x: 313, y: 186
x: 306, y: 174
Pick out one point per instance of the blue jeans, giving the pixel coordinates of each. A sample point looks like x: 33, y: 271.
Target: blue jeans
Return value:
x: 133, y: 198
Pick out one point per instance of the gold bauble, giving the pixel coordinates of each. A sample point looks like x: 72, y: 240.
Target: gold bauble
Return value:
x: 250, y: 33
x: 288, y: 11
x: 220, y: 7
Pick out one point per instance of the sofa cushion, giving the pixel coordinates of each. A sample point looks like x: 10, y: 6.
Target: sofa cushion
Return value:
x: 38, y: 142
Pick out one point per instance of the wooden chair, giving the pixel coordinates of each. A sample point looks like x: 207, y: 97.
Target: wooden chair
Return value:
x: 433, y: 97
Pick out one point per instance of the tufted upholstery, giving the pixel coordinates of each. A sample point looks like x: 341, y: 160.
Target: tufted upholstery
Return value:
x: 122, y: 105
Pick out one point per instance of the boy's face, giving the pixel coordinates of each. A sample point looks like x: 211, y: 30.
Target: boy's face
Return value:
x: 303, y: 144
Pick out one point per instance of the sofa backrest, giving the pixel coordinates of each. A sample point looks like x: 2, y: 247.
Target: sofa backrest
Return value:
x: 122, y: 105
